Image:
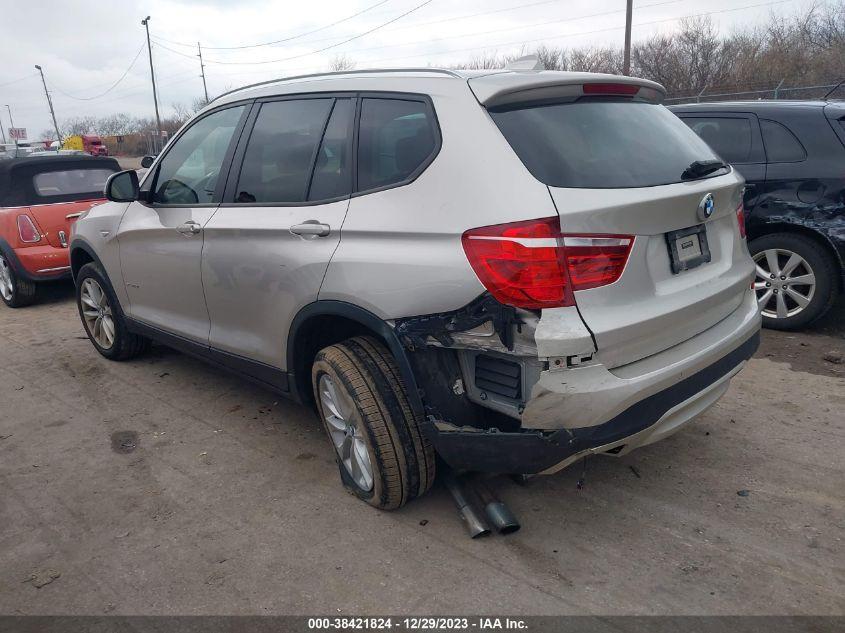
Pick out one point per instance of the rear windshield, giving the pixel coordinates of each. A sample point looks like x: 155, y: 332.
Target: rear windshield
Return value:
x: 602, y: 143
x: 71, y: 182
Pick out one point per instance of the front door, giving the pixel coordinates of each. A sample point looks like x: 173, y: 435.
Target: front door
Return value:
x: 269, y: 244
x: 161, y: 238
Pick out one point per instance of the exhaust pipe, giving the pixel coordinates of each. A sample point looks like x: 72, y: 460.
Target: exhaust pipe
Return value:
x: 499, y: 514
x: 473, y: 520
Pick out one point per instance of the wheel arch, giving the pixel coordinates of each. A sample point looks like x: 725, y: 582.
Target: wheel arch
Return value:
x: 327, y: 322
x: 81, y: 253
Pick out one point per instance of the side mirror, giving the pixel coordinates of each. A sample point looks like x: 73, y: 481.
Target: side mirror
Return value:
x: 146, y: 161
x: 123, y: 186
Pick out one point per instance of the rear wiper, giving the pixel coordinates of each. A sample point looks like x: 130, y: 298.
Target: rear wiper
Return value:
x: 700, y: 168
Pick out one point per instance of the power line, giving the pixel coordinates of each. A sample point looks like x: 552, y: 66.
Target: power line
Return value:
x: 325, y: 48
x: 110, y: 88
x: 14, y: 81
x: 286, y: 39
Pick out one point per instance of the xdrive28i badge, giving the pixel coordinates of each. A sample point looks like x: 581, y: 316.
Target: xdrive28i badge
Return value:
x: 705, y: 207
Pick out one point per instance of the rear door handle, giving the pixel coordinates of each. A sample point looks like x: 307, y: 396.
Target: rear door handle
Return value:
x: 311, y: 228
x: 189, y: 228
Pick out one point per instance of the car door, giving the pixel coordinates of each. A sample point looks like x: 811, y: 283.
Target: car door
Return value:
x: 735, y: 137
x: 161, y: 237
x: 269, y: 244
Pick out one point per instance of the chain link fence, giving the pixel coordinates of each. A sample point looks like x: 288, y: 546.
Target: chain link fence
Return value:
x: 755, y: 93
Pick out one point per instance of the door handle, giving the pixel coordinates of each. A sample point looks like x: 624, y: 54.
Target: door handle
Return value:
x: 189, y: 228
x: 311, y: 228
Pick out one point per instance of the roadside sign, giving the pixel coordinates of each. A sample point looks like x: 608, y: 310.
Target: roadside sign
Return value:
x: 17, y: 133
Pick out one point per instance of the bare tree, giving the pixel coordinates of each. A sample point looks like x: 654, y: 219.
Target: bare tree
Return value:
x: 340, y: 62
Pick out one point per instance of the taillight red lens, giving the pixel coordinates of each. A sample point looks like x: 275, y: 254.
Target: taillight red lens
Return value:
x: 740, y: 219
x: 27, y: 230
x: 532, y: 265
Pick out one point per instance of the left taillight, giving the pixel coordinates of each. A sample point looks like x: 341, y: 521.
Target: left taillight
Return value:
x: 27, y: 231
x: 531, y: 264
x: 740, y: 219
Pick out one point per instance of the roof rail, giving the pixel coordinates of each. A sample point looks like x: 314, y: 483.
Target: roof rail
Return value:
x: 441, y: 71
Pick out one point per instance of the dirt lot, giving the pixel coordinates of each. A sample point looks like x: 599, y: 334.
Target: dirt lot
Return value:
x: 163, y: 486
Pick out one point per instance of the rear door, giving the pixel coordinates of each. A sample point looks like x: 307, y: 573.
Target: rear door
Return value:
x: 161, y: 239
x: 268, y: 246
x: 614, y: 169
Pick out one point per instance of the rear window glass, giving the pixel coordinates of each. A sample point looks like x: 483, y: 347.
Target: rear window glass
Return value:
x: 730, y: 137
x: 601, y: 144
x: 71, y: 182
x: 781, y: 144
x: 396, y: 137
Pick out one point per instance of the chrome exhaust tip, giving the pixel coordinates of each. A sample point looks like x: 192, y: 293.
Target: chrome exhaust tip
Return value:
x: 473, y: 520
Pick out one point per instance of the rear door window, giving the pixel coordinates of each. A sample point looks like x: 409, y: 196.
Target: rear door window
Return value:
x: 781, y: 144
x: 731, y: 138
x: 281, y: 151
x: 601, y: 143
x: 71, y: 182
x: 332, y: 174
x: 396, y: 139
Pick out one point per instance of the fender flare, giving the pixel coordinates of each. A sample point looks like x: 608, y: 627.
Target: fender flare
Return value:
x: 369, y: 320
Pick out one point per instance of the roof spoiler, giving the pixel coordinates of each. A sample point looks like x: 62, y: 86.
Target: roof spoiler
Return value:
x: 510, y: 88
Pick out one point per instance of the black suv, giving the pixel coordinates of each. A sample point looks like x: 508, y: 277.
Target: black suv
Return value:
x: 792, y: 155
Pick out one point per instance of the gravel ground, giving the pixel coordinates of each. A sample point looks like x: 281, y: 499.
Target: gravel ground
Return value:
x: 163, y: 486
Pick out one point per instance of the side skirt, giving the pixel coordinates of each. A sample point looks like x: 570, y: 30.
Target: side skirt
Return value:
x: 262, y: 374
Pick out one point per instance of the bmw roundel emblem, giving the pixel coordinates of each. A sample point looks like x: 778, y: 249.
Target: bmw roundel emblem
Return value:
x: 705, y: 207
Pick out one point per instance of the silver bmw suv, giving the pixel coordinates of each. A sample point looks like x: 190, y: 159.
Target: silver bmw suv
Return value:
x: 508, y: 269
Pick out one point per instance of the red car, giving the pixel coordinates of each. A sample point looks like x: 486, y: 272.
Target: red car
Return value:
x: 40, y: 197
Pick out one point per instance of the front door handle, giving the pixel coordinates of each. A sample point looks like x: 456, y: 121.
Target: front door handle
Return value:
x: 189, y: 228
x: 311, y: 228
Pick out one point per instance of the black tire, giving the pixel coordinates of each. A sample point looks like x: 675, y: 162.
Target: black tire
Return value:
x: 824, y: 268
x: 402, y: 458
x: 126, y: 345
x: 22, y: 291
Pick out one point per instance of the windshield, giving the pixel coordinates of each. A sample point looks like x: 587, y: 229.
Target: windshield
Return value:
x: 602, y: 143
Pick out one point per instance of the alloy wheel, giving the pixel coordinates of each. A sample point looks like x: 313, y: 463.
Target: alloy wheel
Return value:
x: 7, y: 287
x: 785, y: 283
x: 346, y: 435
x: 97, y: 313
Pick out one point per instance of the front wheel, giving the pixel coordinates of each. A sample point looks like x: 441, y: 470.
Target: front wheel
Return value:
x: 15, y: 292
x: 383, y: 456
x: 102, y: 317
x: 796, y: 280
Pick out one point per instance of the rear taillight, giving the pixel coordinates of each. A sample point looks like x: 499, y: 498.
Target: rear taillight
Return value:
x: 740, y: 219
x: 532, y: 264
x: 27, y: 230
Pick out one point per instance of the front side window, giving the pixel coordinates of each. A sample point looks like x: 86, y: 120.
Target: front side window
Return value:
x: 731, y: 138
x: 396, y: 137
x: 189, y: 172
x: 781, y: 144
x: 72, y: 182
x: 281, y: 151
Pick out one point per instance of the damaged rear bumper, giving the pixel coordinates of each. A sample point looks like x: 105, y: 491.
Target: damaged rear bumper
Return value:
x: 645, y: 421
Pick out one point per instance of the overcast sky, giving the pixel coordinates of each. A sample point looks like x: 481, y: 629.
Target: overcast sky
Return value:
x: 85, y: 47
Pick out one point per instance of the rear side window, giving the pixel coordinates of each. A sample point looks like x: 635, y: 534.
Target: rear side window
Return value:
x: 781, y: 144
x: 601, y: 143
x: 730, y: 138
x: 71, y: 182
x: 281, y: 151
x: 395, y: 139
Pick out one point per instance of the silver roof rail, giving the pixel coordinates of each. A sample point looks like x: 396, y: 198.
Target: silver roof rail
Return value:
x: 441, y: 71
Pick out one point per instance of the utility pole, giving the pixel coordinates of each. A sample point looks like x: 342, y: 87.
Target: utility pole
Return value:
x: 202, y: 72
x: 11, y: 123
x: 626, y: 65
x: 3, y: 131
x: 146, y: 23
x: 50, y: 103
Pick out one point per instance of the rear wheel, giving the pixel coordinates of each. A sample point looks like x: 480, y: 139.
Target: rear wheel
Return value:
x: 795, y: 280
x: 15, y: 291
x: 102, y: 317
x: 382, y: 454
